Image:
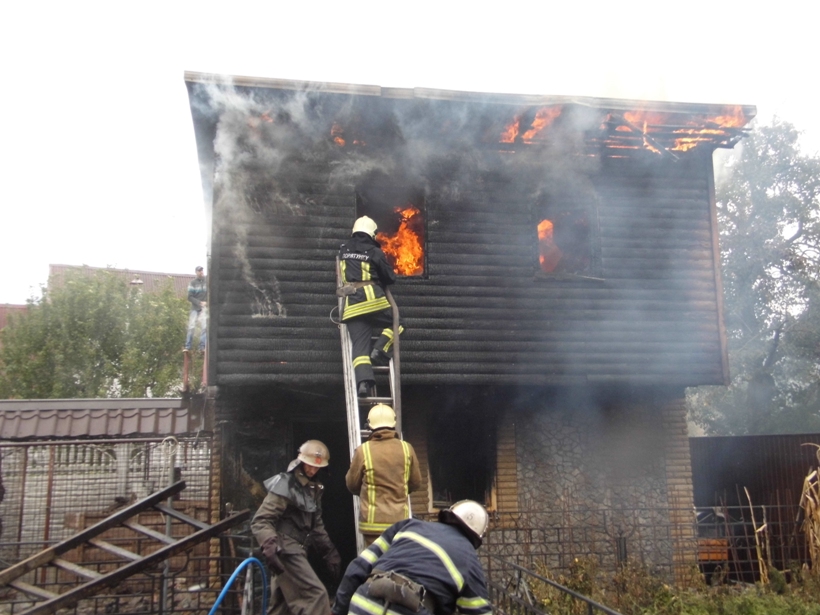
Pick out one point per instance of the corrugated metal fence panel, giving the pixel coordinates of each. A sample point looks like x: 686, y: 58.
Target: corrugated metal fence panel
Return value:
x: 483, y: 315
x: 771, y: 467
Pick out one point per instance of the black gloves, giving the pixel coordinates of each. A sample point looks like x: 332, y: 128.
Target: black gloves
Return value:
x: 334, y: 564
x: 271, y: 549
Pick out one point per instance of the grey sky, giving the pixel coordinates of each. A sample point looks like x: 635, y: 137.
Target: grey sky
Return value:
x: 98, y: 156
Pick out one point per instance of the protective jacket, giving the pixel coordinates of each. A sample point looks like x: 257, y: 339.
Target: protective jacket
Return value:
x: 293, y: 509
x: 383, y: 471
x: 362, y: 260
x: 436, y: 555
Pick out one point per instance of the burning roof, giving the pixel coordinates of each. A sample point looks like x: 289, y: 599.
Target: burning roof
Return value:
x: 510, y: 122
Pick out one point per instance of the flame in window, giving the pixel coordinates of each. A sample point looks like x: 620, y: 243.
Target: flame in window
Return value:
x: 336, y: 132
x: 548, y: 253
x: 404, y: 249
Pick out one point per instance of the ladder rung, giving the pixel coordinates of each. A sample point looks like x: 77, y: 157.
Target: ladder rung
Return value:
x: 381, y: 368
x: 115, y: 550
x: 147, y: 531
x: 32, y: 590
x: 376, y: 400
x: 173, y: 512
x: 80, y: 571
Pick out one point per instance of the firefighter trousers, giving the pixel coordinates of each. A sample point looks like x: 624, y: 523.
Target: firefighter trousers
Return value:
x: 298, y: 590
x: 361, y: 329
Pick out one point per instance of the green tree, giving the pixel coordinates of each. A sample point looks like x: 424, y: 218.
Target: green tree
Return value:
x: 770, y: 244
x: 94, y: 336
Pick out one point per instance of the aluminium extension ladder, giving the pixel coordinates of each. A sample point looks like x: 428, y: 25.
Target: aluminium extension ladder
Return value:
x: 94, y: 581
x: 357, y: 406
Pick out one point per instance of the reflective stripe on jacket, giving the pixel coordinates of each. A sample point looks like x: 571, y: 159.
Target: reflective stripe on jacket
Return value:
x: 383, y: 472
x: 437, y: 555
x: 360, y: 260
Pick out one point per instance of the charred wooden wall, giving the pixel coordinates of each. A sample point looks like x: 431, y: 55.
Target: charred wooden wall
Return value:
x: 482, y: 314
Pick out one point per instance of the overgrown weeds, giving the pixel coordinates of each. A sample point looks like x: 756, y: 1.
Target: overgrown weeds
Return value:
x: 634, y: 590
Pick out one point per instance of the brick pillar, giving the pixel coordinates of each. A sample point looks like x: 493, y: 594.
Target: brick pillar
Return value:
x: 415, y: 432
x: 505, y: 494
x: 215, y: 491
x: 679, y: 489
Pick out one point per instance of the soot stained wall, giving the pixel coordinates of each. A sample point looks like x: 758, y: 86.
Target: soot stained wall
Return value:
x: 282, y: 170
x: 596, y: 475
x: 484, y: 314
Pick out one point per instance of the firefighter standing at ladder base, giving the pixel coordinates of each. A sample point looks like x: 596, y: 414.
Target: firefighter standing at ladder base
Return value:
x: 365, y: 272
x: 383, y: 472
x: 420, y: 567
x: 287, y: 523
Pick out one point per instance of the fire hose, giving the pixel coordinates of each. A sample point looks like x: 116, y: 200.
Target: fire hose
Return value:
x: 240, y: 568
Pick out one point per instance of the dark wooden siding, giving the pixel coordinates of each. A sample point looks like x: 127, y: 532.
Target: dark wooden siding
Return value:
x: 483, y: 315
x: 771, y: 467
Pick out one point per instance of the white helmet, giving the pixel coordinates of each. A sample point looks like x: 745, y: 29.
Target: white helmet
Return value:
x: 470, y: 516
x: 314, y: 453
x: 381, y: 415
x: 365, y: 224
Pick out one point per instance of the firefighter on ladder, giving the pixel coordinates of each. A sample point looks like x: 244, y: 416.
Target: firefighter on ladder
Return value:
x: 365, y: 272
x: 383, y: 472
x: 421, y: 567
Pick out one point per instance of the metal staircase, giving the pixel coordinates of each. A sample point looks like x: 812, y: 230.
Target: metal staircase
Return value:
x: 125, y: 562
x: 388, y: 378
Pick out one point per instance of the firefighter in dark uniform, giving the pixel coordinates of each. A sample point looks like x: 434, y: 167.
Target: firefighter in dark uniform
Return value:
x: 365, y: 272
x: 420, y: 567
x: 288, y: 522
x: 383, y: 472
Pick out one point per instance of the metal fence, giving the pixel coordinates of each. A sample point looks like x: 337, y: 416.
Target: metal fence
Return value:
x: 726, y: 544
x: 51, y: 490
x: 511, y: 594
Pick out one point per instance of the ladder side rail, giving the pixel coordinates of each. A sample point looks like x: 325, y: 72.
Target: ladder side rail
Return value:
x: 88, y: 589
x: 351, y: 394
x: 395, y: 374
x: 47, y: 555
x: 354, y: 434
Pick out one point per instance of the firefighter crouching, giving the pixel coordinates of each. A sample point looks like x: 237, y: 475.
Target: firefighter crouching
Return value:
x: 383, y: 471
x: 420, y: 567
x: 288, y: 522
x: 365, y: 272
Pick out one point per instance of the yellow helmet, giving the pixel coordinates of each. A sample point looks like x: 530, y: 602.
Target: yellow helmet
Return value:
x: 314, y: 453
x: 365, y: 224
x: 381, y: 415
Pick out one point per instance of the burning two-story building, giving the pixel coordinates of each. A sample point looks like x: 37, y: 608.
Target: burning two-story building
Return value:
x: 559, y: 281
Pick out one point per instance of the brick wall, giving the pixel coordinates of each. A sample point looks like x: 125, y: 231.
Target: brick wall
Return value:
x: 599, y: 476
x: 679, y: 487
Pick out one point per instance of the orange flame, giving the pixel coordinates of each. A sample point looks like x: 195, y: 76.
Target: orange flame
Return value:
x: 511, y: 131
x: 336, y: 132
x: 699, y: 128
x: 404, y: 248
x: 548, y: 253
x: 544, y: 118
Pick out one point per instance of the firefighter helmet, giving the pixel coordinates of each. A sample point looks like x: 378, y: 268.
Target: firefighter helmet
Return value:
x: 314, y: 453
x: 470, y: 516
x: 365, y: 224
x: 381, y: 415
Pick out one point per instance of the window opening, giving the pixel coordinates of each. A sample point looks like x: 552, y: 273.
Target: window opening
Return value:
x: 461, y: 455
x: 400, y: 214
x: 565, y: 242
